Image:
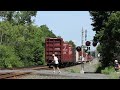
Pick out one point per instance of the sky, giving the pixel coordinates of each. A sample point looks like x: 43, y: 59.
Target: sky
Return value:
x: 67, y: 24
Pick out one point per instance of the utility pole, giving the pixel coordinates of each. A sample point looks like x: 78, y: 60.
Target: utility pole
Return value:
x: 85, y: 41
x: 86, y: 35
x: 82, y: 58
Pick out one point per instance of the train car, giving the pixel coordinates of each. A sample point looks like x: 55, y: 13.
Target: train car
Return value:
x: 72, y: 53
x: 68, y: 54
x: 64, y: 51
x: 53, y: 46
x: 85, y: 55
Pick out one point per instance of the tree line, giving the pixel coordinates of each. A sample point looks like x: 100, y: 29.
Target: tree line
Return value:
x: 22, y: 44
x: 107, y: 27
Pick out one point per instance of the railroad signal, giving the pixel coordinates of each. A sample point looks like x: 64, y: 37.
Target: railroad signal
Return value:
x: 78, y: 48
x: 88, y: 43
x: 94, y: 43
x: 89, y: 53
x: 86, y: 49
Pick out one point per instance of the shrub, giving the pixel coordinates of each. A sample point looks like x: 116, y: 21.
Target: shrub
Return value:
x: 8, y: 57
x: 108, y: 70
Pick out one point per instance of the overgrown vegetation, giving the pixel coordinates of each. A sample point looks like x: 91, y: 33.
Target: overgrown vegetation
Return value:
x: 106, y: 25
x: 114, y: 75
x: 21, y: 42
x: 8, y: 57
x: 110, y: 71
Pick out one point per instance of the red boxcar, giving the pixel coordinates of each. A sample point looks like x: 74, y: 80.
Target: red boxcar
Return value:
x: 86, y: 56
x: 72, y: 54
x: 53, y: 45
x: 63, y: 50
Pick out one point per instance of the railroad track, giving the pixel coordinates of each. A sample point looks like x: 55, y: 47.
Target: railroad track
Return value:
x: 16, y: 74
x: 13, y: 75
x: 41, y: 68
x: 27, y: 68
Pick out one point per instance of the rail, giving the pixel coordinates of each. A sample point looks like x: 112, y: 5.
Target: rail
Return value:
x: 12, y: 75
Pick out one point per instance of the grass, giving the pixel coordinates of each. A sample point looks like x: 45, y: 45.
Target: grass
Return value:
x: 108, y: 70
x: 111, y: 72
x: 114, y: 75
x: 73, y: 70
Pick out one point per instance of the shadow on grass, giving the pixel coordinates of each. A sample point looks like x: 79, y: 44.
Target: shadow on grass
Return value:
x: 89, y: 72
x: 99, y: 69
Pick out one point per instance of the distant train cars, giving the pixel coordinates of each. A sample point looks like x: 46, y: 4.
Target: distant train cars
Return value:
x: 64, y: 51
x: 86, y: 56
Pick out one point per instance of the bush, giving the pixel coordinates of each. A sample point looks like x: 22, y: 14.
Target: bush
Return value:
x: 22, y: 45
x: 108, y: 70
x: 8, y: 58
x: 28, y: 63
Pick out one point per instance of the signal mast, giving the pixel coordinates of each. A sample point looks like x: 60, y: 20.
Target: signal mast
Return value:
x: 82, y: 58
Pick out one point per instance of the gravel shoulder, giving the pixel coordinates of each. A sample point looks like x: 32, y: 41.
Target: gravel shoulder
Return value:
x: 69, y: 73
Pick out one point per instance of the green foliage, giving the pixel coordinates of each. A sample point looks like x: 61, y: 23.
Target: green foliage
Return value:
x: 114, y: 75
x: 99, y: 48
x: 18, y: 17
x: 47, y: 32
x: 72, y: 43
x: 23, y: 43
x: 106, y: 25
x: 108, y: 70
x: 8, y: 58
x: 99, y: 19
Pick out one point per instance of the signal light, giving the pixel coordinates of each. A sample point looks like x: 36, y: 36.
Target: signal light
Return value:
x: 88, y: 43
x: 94, y: 43
x: 78, y: 48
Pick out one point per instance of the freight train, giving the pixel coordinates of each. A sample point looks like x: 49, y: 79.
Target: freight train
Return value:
x: 66, y: 53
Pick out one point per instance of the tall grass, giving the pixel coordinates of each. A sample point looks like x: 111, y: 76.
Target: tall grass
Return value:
x: 110, y: 71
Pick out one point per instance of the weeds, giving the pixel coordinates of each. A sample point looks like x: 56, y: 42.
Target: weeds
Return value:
x: 73, y: 70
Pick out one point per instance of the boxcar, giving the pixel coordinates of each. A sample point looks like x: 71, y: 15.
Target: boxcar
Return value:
x: 86, y: 56
x: 68, y: 54
x: 53, y: 46
x: 64, y: 51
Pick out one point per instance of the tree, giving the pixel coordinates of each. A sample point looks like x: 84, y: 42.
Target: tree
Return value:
x: 72, y: 43
x: 107, y: 33
x: 99, y: 19
x: 22, y: 45
x: 18, y: 17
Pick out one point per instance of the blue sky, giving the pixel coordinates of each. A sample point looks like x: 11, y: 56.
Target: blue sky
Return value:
x: 67, y: 24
